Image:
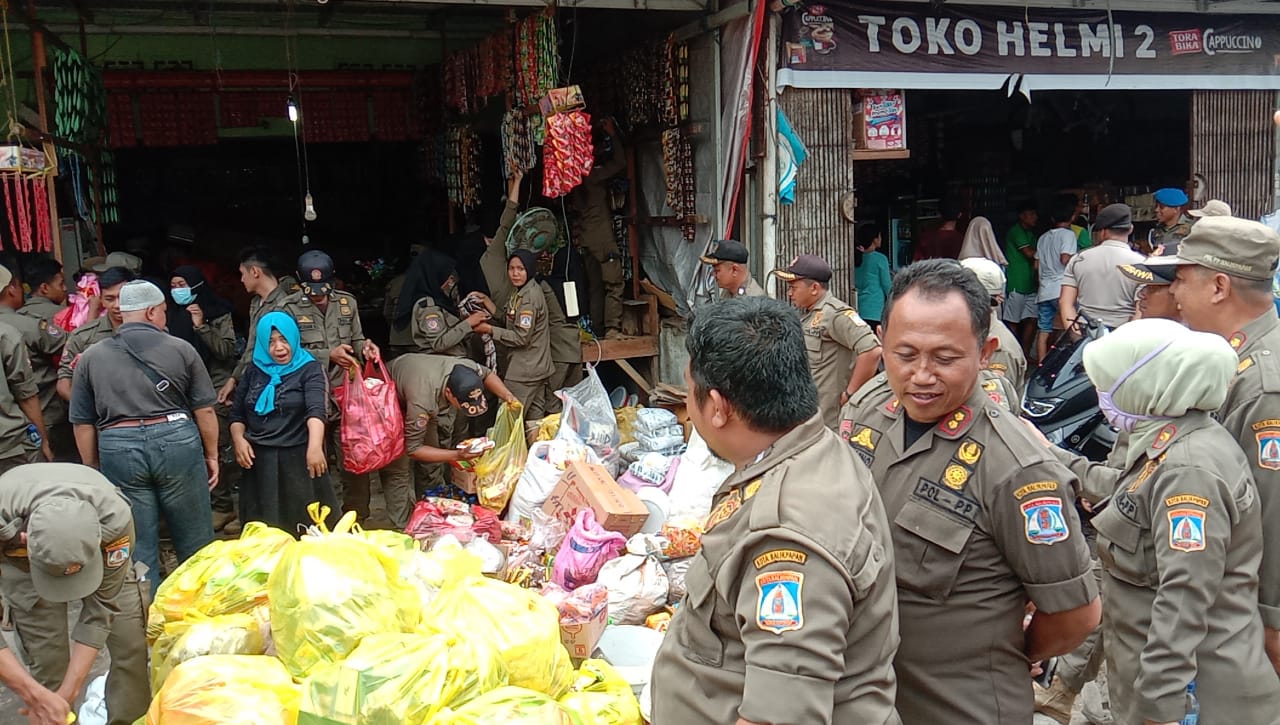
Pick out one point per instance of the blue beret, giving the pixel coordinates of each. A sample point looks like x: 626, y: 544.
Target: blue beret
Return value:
x: 1171, y: 197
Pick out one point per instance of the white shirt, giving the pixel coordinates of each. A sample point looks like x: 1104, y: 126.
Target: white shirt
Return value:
x: 1049, y: 250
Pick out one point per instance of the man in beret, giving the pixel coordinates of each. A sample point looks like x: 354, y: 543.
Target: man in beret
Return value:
x: 1172, y: 223
x: 1092, y: 283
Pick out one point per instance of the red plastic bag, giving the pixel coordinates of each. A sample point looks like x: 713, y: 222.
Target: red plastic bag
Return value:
x: 372, y: 424
x: 429, y: 520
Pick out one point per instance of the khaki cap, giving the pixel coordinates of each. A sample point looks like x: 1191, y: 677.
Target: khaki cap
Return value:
x: 120, y: 259
x: 5, y: 277
x: 1238, y: 247
x: 64, y: 546
x: 988, y: 272
x: 1213, y: 207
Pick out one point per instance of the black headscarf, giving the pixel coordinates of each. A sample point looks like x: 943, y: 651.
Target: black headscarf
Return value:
x: 530, y: 262
x: 426, y: 278
x: 213, y: 306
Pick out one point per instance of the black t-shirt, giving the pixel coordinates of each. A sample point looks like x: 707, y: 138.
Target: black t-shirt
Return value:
x: 912, y: 430
x: 299, y: 396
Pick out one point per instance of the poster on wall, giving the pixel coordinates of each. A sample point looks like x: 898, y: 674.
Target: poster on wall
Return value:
x: 838, y: 44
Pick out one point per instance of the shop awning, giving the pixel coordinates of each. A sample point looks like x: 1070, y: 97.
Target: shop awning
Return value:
x: 1019, y: 83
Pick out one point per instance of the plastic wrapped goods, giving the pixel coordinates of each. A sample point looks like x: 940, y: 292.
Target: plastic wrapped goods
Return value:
x: 221, y: 689
x: 401, y: 678
x: 523, y: 626
x: 603, y: 697
x: 225, y: 577
x: 510, y: 706
x: 197, y: 636
x: 329, y: 592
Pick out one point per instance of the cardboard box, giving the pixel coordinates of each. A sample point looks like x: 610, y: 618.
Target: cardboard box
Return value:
x: 561, y: 100
x: 880, y: 121
x: 586, y: 485
x: 581, y: 638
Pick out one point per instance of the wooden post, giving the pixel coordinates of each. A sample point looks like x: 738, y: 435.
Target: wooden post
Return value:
x: 40, y: 61
x: 633, y: 234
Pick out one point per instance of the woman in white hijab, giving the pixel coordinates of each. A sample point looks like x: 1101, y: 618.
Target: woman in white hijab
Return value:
x: 980, y: 241
x: 1181, y: 538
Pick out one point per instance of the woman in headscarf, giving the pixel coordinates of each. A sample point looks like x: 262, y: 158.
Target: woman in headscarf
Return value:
x: 277, y: 425
x: 980, y: 241
x: 1180, y: 540
x: 429, y: 306
x: 525, y: 330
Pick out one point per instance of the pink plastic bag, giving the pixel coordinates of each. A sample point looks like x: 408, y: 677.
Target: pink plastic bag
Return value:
x: 587, y: 547
x: 76, y: 313
x: 372, y: 424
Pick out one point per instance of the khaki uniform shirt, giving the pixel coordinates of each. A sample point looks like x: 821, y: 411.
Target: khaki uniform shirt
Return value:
x: 834, y: 337
x: 1172, y: 234
x: 322, y: 331
x: 493, y: 263
x: 1251, y: 414
x: 79, y: 340
x: 219, y: 338
x: 1101, y: 291
x: 750, y: 289
x: 566, y: 342
x: 24, y: 488
x: 420, y: 382
x: 44, y: 341
x: 437, y: 331
x: 983, y: 520
x: 591, y: 200
x: 20, y: 384
x: 257, y: 308
x: 1180, y: 545
x: 41, y: 308
x: 526, y: 332
x: 1008, y: 360
x: 396, y: 337
x: 790, y: 614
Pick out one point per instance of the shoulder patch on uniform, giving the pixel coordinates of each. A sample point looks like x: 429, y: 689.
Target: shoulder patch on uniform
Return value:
x: 117, y: 552
x: 422, y: 420
x: 1164, y: 436
x: 1237, y: 340
x: 959, y: 420
x: 780, y: 606
x: 998, y: 368
x: 432, y: 322
x: 1186, y: 530
x: 1038, y: 487
x: 969, y: 452
x: 863, y: 437
x: 777, y: 555
x: 1244, y: 365
x: 955, y: 477
x: 526, y: 318
x: 1185, y: 498
x: 1269, y: 449
x: 852, y: 315
x: 1267, y: 423
x: 1045, y: 522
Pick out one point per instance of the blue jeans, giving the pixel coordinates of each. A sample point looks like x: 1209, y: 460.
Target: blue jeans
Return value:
x: 160, y: 469
x: 1046, y: 313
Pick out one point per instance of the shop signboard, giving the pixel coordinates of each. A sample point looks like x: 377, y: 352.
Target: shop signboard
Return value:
x: 919, y: 38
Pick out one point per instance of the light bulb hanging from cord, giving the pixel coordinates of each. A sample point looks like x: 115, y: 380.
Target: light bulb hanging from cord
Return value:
x: 292, y: 107
x: 309, y: 213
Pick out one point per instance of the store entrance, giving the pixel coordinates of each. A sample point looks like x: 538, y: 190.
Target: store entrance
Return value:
x: 987, y: 153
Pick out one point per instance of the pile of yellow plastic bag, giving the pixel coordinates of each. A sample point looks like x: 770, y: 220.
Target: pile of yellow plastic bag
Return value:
x: 548, y: 428
x: 498, y: 470
x: 329, y: 592
x: 600, y: 696
x: 226, y: 689
x: 198, y: 635
x: 401, y: 678
x: 225, y: 577
x: 510, y: 706
x: 521, y: 624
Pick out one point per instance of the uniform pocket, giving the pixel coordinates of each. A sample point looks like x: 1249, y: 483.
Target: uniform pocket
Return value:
x: 1126, y: 549
x: 696, y: 636
x: 311, y: 335
x: 929, y: 549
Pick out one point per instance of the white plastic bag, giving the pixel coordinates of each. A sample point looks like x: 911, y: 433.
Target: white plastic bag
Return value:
x: 637, y: 584
x: 588, y: 414
x: 542, y: 472
x: 699, y: 475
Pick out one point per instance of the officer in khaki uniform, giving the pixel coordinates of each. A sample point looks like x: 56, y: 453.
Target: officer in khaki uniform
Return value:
x: 983, y: 516
x: 1172, y: 224
x: 66, y: 534
x: 44, y: 342
x: 329, y: 325
x: 93, y: 331
x: 19, y: 405
x: 430, y: 386
x: 601, y: 260
x: 1181, y: 537
x: 843, y: 351
x: 790, y: 614
x: 438, y: 331
x: 1008, y: 359
x: 1223, y: 285
x: 525, y: 330
x: 728, y: 260
x: 48, y: 287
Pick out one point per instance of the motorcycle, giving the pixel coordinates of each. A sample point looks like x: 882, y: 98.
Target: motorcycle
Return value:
x: 1062, y: 402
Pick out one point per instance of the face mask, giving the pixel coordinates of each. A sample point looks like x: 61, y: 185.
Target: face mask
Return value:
x: 183, y: 295
x: 1120, y: 419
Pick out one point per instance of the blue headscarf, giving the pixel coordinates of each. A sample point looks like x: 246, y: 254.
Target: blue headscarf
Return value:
x: 286, y: 325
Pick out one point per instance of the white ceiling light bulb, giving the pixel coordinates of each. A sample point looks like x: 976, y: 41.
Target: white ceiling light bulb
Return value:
x: 310, y: 212
x: 293, y: 110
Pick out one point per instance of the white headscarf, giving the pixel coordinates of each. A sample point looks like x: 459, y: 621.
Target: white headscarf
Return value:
x: 980, y: 241
x: 1191, y: 373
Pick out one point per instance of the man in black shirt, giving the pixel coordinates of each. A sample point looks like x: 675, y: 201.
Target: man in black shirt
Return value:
x: 142, y: 406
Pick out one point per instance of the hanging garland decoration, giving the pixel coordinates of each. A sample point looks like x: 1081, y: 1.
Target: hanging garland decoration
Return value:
x: 537, y: 58
x: 23, y: 171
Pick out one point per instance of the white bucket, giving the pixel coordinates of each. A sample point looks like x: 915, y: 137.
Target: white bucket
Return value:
x: 631, y: 650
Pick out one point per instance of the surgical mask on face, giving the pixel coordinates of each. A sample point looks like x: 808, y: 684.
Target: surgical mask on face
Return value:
x: 1122, y: 419
x: 184, y: 295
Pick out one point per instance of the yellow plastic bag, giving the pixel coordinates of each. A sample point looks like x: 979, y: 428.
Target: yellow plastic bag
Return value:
x: 509, y: 706
x: 225, y: 577
x: 220, y: 689
x: 328, y: 592
x: 522, y: 625
x: 600, y: 696
x: 548, y: 428
x: 498, y: 470
x: 198, y: 635
x: 401, y: 678
x: 626, y: 418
